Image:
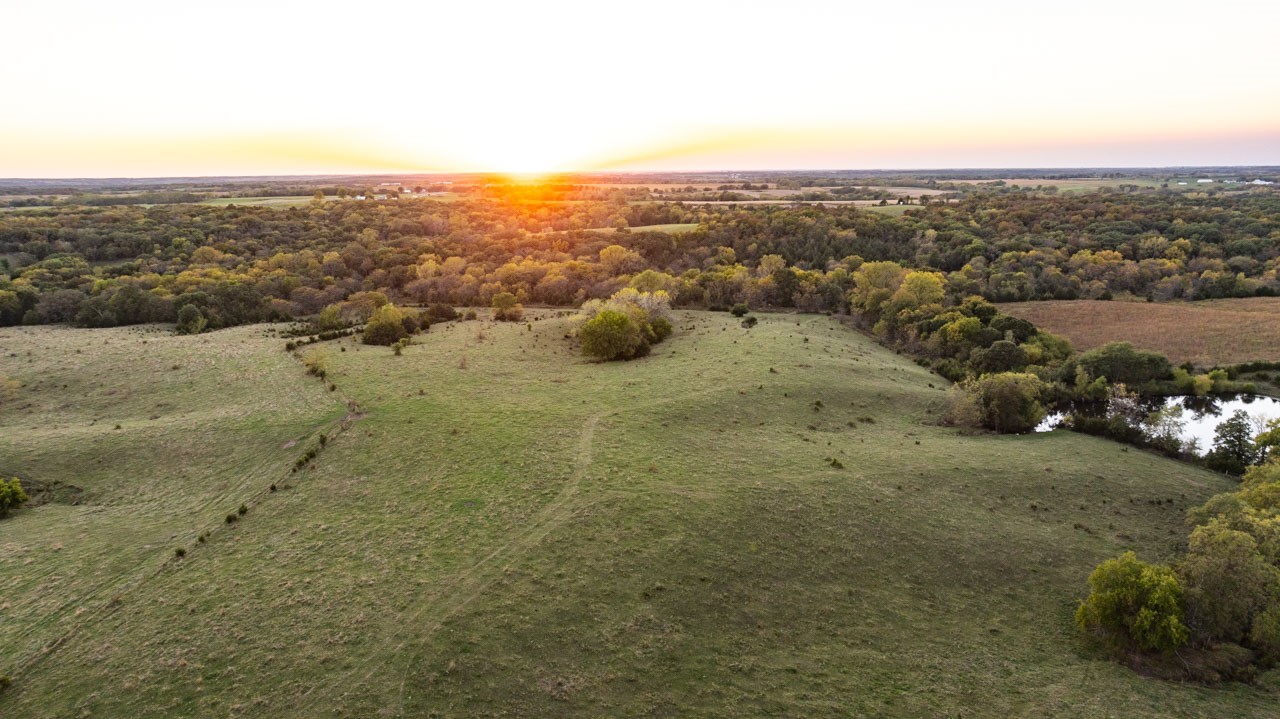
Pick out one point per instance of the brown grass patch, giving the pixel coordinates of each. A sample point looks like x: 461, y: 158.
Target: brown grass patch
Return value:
x: 1204, y: 333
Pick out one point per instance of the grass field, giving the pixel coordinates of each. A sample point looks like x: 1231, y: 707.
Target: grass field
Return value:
x: 673, y: 229
x: 1206, y: 333
x: 262, y: 201
x: 890, y: 209
x: 504, y: 529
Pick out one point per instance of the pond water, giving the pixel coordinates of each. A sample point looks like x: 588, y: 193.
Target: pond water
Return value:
x: 1201, y: 414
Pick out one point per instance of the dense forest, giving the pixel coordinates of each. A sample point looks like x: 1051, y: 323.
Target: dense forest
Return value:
x: 101, y: 266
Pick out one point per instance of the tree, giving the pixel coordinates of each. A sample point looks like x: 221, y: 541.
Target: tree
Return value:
x: 1135, y: 603
x: 874, y: 283
x: 328, y: 320
x: 1227, y: 582
x: 1120, y: 362
x: 506, y: 308
x: 11, y: 495
x: 1267, y: 440
x: 612, y: 335
x: 618, y: 260
x: 1233, y: 447
x: 1001, y: 356
x: 386, y: 326
x: 1008, y: 402
x: 190, y: 320
x: 1016, y: 329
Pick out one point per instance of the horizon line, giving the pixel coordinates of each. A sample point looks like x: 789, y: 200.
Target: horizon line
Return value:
x: 481, y: 173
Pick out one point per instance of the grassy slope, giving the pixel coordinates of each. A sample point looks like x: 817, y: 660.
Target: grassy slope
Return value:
x: 524, y: 533
x: 163, y: 435
x: 1206, y: 333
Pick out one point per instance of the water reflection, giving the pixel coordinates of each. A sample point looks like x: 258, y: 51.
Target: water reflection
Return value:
x: 1200, y: 414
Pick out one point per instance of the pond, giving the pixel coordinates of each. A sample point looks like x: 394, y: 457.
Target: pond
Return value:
x: 1201, y: 414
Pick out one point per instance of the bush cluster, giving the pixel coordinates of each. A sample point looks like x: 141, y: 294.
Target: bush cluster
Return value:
x: 322, y: 337
x: 1008, y: 402
x: 389, y: 324
x: 1222, y: 598
x: 626, y: 325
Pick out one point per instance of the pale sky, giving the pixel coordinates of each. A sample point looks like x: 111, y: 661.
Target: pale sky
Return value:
x: 154, y: 88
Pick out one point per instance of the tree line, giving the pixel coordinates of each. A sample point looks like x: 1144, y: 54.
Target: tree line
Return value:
x: 99, y: 266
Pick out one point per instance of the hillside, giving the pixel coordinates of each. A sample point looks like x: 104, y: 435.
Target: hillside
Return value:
x: 495, y: 526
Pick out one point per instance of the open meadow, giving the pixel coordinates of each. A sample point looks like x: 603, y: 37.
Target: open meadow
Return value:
x: 749, y: 522
x: 1207, y: 333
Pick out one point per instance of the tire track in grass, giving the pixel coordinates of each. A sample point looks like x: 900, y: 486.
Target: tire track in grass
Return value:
x: 479, y: 576
x: 119, y: 590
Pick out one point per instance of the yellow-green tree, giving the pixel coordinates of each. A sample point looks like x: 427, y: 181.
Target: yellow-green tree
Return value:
x: 1135, y: 603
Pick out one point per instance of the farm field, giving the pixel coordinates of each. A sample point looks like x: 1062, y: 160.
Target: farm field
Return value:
x: 1212, y: 332
x: 496, y: 526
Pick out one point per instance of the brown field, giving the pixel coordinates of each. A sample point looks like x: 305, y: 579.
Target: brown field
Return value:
x: 1204, y: 333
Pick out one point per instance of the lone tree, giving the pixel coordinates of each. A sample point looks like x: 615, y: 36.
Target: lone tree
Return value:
x: 191, y: 321
x: 1233, y: 446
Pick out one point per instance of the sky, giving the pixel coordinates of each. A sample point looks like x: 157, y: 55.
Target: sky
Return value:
x: 147, y: 88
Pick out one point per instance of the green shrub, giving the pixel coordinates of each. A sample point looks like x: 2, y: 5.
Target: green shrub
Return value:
x: 441, y: 312
x: 739, y: 310
x: 1135, y: 603
x: 612, y: 335
x: 12, y: 495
